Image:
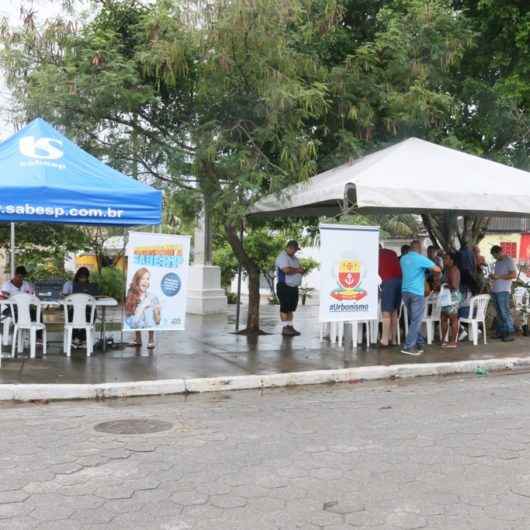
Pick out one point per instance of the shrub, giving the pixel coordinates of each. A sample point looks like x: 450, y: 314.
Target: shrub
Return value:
x: 110, y: 282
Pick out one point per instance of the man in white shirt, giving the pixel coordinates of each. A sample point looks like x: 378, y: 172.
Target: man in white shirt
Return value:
x: 289, y: 277
x: 17, y: 284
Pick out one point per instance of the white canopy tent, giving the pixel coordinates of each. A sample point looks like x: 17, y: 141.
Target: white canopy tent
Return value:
x: 412, y: 176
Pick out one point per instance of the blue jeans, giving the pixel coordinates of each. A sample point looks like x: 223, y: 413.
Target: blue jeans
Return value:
x: 415, y: 305
x: 504, y: 315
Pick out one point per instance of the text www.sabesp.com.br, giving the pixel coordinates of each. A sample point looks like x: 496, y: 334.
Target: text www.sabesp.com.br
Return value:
x: 56, y: 212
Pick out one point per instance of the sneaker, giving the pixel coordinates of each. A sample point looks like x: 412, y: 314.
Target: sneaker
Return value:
x: 295, y: 332
x: 413, y: 351
x: 508, y: 338
x: 288, y: 331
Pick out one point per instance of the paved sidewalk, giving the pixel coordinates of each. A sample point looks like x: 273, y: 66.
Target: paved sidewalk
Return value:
x: 208, y: 348
x: 442, y: 454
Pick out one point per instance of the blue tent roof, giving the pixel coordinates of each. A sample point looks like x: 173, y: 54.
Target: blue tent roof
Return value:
x: 44, y: 177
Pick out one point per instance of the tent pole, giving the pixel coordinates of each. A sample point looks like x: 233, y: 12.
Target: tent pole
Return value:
x: 12, y: 250
x: 124, y: 273
x: 239, y: 271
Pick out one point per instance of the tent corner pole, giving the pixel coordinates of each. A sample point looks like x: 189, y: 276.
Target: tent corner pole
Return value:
x: 12, y: 256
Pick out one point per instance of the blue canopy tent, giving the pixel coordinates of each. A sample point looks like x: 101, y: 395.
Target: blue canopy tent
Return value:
x: 46, y: 178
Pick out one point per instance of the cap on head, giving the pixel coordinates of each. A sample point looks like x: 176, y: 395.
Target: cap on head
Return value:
x: 293, y: 244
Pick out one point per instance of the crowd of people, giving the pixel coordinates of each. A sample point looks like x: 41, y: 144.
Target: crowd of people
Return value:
x: 455, y: 277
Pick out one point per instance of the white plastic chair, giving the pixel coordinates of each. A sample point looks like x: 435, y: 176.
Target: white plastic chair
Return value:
x: 432, y: 315
x: 374, y: 325
x: 478, y: 306
x: 334, y: 330
x: 79, y: 303
x: 403, y: 313
x: 521, y: 299
x: 7, y: 324
x: 21, y: 316
x: 358, y: 338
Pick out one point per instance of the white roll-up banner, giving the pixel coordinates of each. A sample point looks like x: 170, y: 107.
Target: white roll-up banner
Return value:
x: 349, y: 272
x: 157, y: 279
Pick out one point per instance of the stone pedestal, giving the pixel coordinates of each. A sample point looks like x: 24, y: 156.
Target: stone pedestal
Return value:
x: 205, y: 295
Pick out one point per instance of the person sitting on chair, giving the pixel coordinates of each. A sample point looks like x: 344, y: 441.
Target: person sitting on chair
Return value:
x: 17, y: 284
x: 80, y: 284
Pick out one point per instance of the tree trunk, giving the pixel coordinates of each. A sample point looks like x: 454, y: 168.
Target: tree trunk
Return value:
x: 253, y: 301
x: 252, y: 269
x: 444, y: 229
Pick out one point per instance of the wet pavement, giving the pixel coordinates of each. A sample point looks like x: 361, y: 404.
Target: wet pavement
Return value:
x: 209, y: 348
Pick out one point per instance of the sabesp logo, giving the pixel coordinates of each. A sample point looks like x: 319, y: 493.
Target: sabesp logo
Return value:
x: 41, y: 148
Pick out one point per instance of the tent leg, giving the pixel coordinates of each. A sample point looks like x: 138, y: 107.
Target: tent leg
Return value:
x: 125, y: 240
x: 12, y: 250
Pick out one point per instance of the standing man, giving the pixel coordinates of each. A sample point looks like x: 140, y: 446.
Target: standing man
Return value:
x: 390, y: 274
x: 413, y: 267
x: 289, y: 276
x: 501, y: 290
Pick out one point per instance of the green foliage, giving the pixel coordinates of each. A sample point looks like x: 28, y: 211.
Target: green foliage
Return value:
x: 43, y: 247
x: 226, y: 101
x: 309, y: 265
x: 263, y: 246
x: 224, y: 257
x: 110, y: 282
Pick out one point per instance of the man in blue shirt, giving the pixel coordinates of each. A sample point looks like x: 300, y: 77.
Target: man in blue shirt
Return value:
x: 413, y: 267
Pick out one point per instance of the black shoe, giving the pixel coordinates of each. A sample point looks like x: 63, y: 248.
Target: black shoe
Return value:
x: 288, y: 331
x: 508, y: 338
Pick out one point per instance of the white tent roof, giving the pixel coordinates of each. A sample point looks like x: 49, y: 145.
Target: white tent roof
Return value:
x: 411, y: 176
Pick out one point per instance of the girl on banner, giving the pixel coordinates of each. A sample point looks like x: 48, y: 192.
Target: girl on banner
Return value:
x: 142, y: 308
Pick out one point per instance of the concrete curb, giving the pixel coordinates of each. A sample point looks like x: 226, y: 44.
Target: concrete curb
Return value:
x: 22, y: 392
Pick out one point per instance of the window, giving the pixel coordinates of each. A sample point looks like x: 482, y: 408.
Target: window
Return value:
x: 510, y: 249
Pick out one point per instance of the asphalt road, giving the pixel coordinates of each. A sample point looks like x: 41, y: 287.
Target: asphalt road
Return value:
x: 448, y: 454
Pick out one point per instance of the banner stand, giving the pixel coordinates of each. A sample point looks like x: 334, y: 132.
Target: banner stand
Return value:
x: 349, y: 273
x: 157, y: 281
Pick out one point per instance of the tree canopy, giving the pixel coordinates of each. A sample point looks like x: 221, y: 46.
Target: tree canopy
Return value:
x: 222, y: 101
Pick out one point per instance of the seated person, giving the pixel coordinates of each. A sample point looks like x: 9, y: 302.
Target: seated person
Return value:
x: 80, y: 284
x: 17, y: 284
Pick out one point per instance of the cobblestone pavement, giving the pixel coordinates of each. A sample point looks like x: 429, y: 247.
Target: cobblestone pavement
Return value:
x: 435, y: 453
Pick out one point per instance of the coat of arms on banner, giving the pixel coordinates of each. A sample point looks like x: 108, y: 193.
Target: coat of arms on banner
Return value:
x: 349, y: 279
